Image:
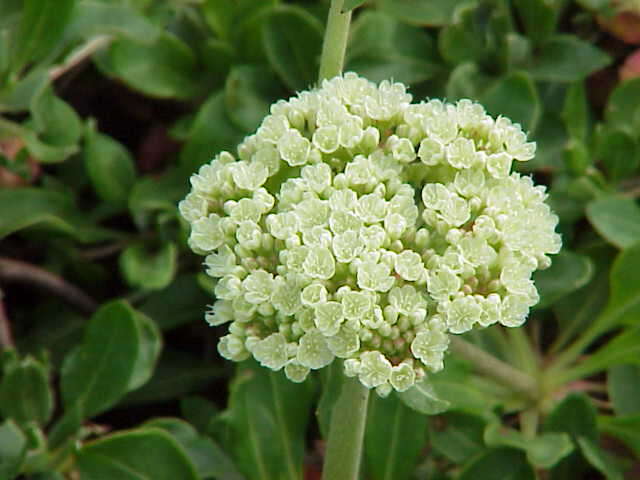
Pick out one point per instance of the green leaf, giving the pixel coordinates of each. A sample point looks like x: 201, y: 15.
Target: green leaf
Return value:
x: 457, y: 436
x: 381, y: 48
x: 575, y: 112
x: 267, y: 417
x: 28, y: 207
x: 423, y: 398
x: 623, y: 384
x: 219, y: 15
x: 498, y: 464
x: 57, y: 123
x: 207, y: 457
x: 181, y: 302
x: 248, y: 94
x: 599, y: 459
x: 394, y: 437
x: 566, y: 58
x: 576, y: 416
x: 146, y: 269
x: 622, y: 349
x: 94, y: 17
x: 543, y: 451
x: 432, y: 13
x: 623, y: 107
x: 617, y: 219
x: 158, y: 194
x: 200, y: 412
x: 13, y: 446
x: 164, y: 69
x: 349, y: 5
x: 539, y: 17
x: 624, y: 299
x: 292, y: 41
x: 109, y: 166
x: 117, y: 354
x: 626, y: 429
x: 568, y: 272
x: 466, y: 81
x: 17, y: 96
x: 120, y: 456
x: 25, y: 394
x: 41, y: 26
x: 514, y: 96
x: 618, y: 152
x: 206, y: 142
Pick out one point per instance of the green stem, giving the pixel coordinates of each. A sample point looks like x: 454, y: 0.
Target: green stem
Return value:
x: 498, y: 370
x: 335, y: 41
x: 524, y: 355
x: 346, y: 432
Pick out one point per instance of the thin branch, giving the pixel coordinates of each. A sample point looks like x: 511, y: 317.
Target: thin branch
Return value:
x: 6, y: 338
x: 15, y: 271
x: 80, y: 55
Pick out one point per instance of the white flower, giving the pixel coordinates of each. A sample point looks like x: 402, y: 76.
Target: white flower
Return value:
x: 357, y: 225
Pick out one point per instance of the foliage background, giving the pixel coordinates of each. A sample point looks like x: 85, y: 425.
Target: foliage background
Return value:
x: 107, y: 107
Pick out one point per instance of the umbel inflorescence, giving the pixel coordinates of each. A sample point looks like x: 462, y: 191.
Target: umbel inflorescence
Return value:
x: 355, y: 224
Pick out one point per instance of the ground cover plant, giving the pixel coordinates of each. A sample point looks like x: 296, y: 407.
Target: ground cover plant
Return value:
x: 116, y: 337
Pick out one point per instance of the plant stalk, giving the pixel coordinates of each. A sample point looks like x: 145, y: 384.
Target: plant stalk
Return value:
x: 498, y: 370
x: 335, y: 41
x: 346, y: 432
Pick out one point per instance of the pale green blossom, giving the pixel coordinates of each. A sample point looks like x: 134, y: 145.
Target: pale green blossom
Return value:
x: 358, y: 225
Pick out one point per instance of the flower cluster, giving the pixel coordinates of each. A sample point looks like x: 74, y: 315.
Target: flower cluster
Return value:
x: 355, y: 224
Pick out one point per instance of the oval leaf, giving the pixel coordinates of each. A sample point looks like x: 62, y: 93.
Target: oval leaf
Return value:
x: 149, y: 270
x: 120, y: 456
x: 617, y: 219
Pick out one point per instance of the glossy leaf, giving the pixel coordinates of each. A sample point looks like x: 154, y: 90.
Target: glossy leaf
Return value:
x: 109, y: 166
x: 25, y: 394
x: 432, y: 13
x: 599, y: 459
x: 458, y: 436
x: 207, y: 457
x: 292, y: 41
x: 93, y: 17
x: 498, y: 464
x: 267, y: 417
x: 576, y: 416
x: 117, y: 354
x: 627, y: 429
x: 543, y: 451
x: 119, y: 456
x: 568, y: 272
x: 41, y: 25
x: 13, y: 446
x: 623, y: 107
x: 423, y: 398
x: 623, y: 383
x: 566, y: 58
x: 248, y: 93
x: 28, y: 207
x: 515, y: 96
x: 394, y: 437
x: 204, y: 142
x: 146, y: 269
x: 382, y: 48
x: 618, y: 152
x: 165, y: 69
x: 617, y: 219
x: 57, y: 123
x: 575, y: 111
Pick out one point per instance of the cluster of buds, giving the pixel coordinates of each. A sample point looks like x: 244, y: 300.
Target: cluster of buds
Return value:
x: 355, y: 224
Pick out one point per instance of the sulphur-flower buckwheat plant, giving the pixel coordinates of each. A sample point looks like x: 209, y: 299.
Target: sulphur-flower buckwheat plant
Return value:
x: 356, y: 224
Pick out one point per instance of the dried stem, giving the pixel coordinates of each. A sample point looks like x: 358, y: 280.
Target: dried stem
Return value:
x: 15, y: 271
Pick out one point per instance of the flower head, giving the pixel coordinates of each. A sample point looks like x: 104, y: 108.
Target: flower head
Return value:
x: 355, y: 224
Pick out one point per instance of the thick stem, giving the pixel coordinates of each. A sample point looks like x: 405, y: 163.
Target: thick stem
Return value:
x: 346, y: 432
x: 492, y: 367
x: 335, y: 41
